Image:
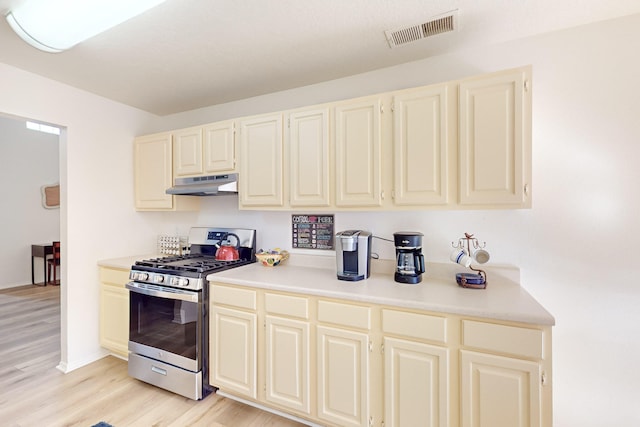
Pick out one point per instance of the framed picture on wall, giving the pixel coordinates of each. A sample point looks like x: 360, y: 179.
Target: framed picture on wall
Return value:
x: 50, y: 196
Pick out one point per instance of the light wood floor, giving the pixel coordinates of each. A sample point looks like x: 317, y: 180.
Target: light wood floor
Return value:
x: 34, y: 393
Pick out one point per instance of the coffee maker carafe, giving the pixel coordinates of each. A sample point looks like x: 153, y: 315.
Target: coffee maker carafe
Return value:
x: 409, y: 258
x: 353, y: 254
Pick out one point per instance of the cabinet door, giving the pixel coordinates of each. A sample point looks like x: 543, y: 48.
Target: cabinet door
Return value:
x: 421, y: 147
x: 233, y: 347
x: 114, y: 319
x: 499, y: 391
x: 187, y: 152
x: 152, y: 171
x: 416, y: 387
x: 343, y: 377
x: 309, y: 158
x: 495, y: 140
x: 358, y: 174
x: 261, y: 181
x: 287, y: 382
x: 219, y: 147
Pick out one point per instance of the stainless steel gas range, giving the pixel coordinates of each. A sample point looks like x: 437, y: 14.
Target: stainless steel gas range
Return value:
x: 168, y: 323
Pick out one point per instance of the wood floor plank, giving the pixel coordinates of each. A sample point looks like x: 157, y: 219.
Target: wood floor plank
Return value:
x: 33, y: 393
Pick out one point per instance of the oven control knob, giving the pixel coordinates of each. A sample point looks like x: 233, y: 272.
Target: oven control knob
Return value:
x: 158, y: 279
x: 179, y: 281
x: 142, y: 276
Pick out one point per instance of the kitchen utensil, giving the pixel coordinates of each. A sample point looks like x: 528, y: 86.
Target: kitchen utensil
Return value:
x: 409, y: 258
x: 226, y: 252
x: 353, y: 255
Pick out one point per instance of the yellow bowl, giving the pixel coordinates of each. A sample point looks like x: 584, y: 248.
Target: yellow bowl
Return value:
x: 271, y: 260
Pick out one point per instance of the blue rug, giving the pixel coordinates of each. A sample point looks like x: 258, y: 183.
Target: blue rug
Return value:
x: 102, y: 424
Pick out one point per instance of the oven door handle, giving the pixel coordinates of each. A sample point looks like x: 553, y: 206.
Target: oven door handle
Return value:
x: 158, y: 291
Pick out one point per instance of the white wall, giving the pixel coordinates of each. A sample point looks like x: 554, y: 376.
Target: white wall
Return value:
x: 577, y: 247
x: 97, y: 219
x: 28, y: 160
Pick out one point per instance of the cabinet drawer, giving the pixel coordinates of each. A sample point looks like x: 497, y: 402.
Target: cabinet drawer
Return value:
x: 241, y: 298
x: 503, y: 339
x: 114, y: 276
x: 354, y: 316
x: 287, y: 305
x: 413, y: 325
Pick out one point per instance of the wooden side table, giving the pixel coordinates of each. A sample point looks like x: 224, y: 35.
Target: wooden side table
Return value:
x: 41, y: 251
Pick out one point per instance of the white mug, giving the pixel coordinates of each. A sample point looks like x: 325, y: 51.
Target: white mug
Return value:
x: 460, y: 256
x: 481, y: 256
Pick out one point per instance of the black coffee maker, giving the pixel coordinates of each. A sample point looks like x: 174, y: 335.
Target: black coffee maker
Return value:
x: 409, y: 258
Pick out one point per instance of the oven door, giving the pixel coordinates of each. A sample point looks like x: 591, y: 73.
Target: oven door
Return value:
x: 166, y: 324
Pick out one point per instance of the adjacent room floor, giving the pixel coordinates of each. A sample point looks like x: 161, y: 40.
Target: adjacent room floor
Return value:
x: 34, y: 393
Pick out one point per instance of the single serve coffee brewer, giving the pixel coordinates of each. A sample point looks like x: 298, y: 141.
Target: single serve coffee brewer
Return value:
x: 353, y: 255
x: 409, y: 258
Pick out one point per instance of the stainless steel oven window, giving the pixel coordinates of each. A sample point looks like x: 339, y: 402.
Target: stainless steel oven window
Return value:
x: 166, y: 324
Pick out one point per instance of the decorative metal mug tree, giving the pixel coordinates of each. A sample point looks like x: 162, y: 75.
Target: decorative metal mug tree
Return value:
x: 464, y: 256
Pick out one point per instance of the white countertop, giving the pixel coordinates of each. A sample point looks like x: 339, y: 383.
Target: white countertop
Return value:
x: 125, y: 263
x: 503, y: 299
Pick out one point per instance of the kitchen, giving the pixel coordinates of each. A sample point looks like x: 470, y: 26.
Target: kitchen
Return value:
x: 568, y: 246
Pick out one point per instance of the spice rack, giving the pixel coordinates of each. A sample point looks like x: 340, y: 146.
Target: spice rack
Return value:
x: 173, y: 245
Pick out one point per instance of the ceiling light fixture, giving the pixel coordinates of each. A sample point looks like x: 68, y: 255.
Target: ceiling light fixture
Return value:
x: 55, y: 26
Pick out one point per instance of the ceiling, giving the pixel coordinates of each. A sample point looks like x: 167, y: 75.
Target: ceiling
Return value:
x: 187, y: 54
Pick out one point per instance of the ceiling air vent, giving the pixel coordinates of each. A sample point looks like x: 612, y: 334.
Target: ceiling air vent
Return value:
x: 437, y: 25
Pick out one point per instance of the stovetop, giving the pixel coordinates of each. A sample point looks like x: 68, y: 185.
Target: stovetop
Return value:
x: 192, y: 263
x: 190, y: 271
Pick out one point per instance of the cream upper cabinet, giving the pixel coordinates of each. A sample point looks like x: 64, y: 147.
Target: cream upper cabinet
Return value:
x: 153, y: 160
x: 308, y: 153
x: 218, y: 153
x: 114, y: 311
x: 233, y: 341
x: 187, y: 152
x: 204, y: 150
x: 152, y: 172
x: 464, y: 144
x: 358, y: 139
x: 423, y: 131
x: 495, y: 140
x: 261, y: 162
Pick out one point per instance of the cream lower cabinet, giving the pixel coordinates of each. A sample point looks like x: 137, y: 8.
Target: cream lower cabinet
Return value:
x: 505, y: 376
x: 344, y: 347
x: 499, y: 391
x: 114, y: 311
x: 338, y: 363
x: 343, y: 376
x: 416, y: 372
x: 233, y: 341
x: 287, y: 352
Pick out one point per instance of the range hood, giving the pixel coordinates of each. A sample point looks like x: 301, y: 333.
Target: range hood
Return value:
x: 211, y: 185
